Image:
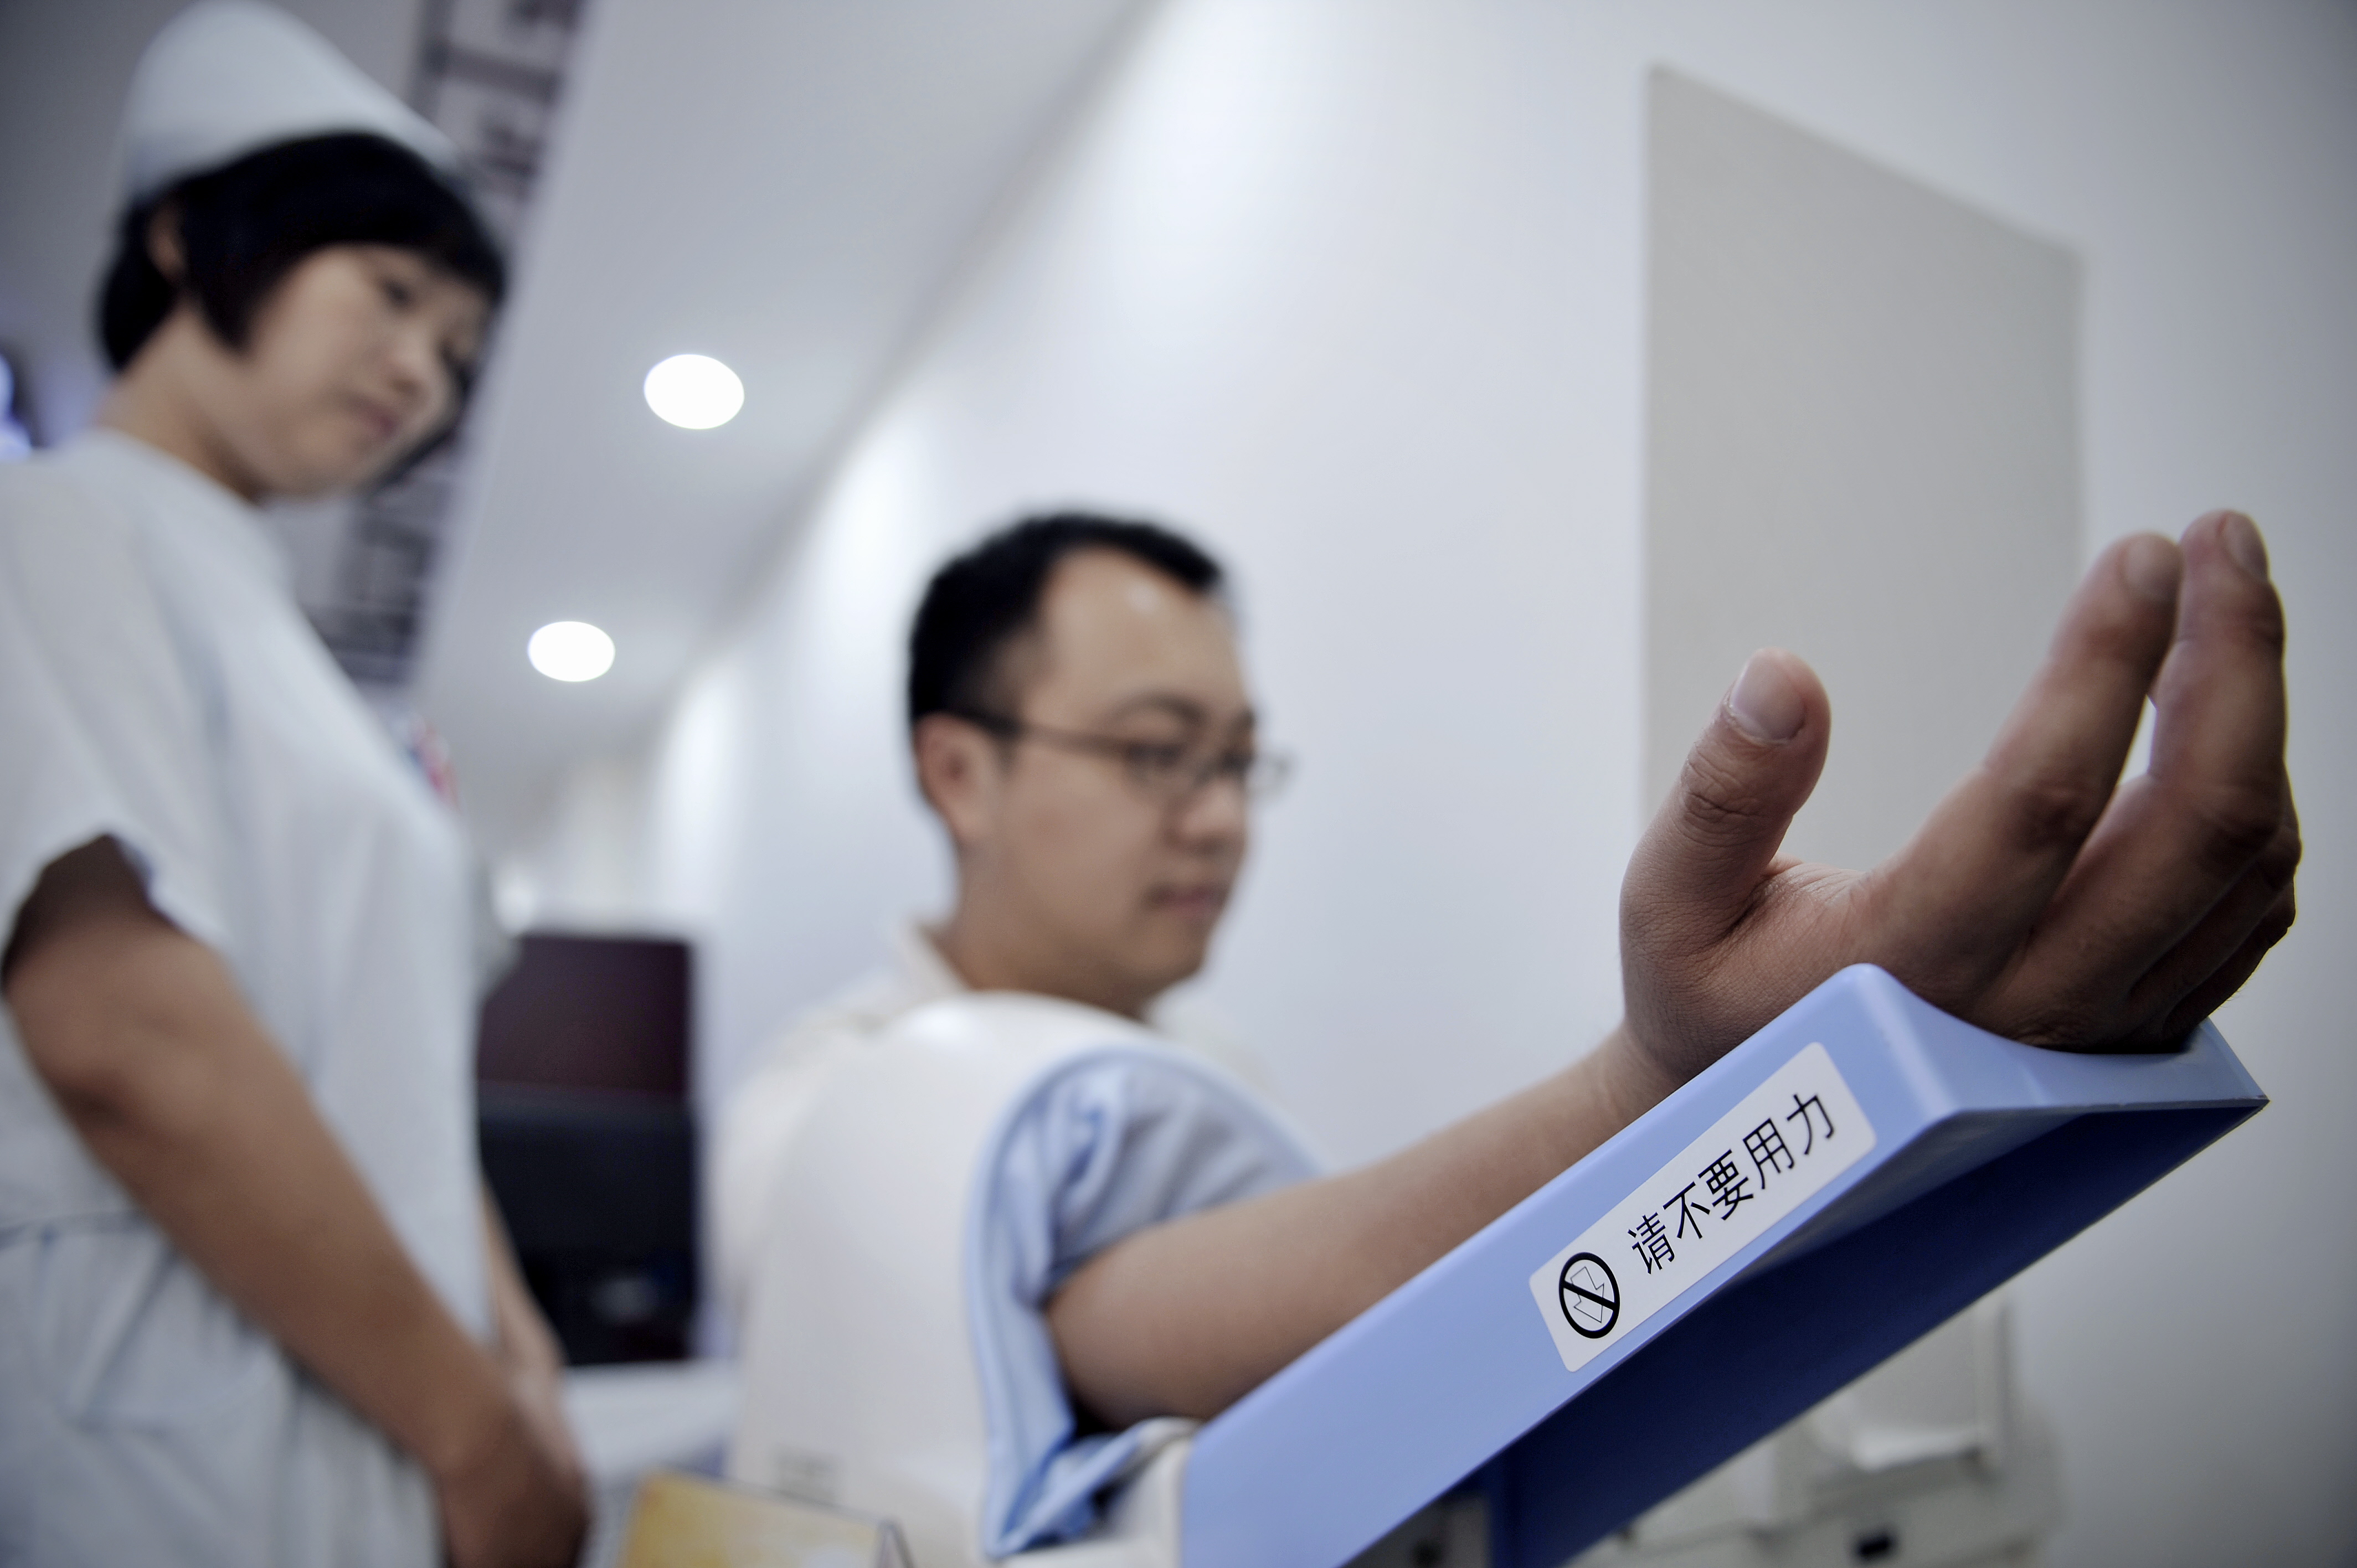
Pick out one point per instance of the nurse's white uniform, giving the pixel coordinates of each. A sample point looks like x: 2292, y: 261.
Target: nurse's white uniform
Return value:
x: 158, y: 684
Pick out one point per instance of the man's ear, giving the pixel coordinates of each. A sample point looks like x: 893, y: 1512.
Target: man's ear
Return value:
x: 164, y: 247
x: 958, y: 768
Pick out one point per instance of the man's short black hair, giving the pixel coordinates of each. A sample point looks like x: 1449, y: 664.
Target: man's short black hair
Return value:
x: 244, y: 226
x: 988, y: 595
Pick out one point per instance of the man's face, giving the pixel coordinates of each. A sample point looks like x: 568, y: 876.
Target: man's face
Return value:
x: 1098, y: 885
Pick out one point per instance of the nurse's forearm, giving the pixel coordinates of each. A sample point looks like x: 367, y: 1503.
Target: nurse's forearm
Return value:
x: 521, y: 1335
x: 1188, y: 1317
x: 527, y: 1346
x: 140, y: 1033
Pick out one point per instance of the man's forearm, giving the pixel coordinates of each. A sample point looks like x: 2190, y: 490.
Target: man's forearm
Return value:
x: 1186, y: 1318
x: 2042, y: 900
x: 169, y: 1080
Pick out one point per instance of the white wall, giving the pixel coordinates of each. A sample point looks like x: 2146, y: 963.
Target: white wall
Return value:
x: 1861, y: 443
x: 1353, y: 288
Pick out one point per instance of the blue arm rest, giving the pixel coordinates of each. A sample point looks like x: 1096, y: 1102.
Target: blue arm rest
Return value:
x: 1845, y: 1181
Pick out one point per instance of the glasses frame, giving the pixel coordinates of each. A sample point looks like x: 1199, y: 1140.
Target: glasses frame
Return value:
x: 1262, y: 776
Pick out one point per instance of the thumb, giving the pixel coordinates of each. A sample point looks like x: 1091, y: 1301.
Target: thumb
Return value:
x: 1714, y: 839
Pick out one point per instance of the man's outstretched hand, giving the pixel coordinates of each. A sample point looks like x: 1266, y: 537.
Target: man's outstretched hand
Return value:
x: 2044, y: 899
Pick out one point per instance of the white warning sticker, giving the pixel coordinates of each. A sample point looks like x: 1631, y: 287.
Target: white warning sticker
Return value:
x: 1758, y: 1162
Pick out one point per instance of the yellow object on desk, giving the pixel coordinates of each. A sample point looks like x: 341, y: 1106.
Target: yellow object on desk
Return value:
x: 687, y: 1521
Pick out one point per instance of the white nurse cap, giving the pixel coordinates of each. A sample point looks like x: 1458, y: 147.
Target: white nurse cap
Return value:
x: 226, y: 78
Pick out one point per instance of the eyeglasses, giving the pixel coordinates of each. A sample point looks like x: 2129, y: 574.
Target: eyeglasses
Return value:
x: 1171, y: 772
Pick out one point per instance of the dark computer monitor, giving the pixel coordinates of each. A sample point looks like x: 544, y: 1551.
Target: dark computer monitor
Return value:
x: 587, y: 1143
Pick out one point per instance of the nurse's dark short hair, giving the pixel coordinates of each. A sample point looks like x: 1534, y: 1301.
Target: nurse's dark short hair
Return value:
x: 986, y: 597
x: 244, y: 226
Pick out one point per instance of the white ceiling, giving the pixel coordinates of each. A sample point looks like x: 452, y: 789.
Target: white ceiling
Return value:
x: 788, y: 186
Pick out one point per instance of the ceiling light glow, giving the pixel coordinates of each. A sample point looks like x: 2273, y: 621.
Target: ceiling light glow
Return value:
x: 694, y: 391
x: 570, y: 650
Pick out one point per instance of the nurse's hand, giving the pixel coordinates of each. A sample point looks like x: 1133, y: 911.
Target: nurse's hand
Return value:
x: 510, y: 1497
x: 526, y: 1349
x: 2043, y: 900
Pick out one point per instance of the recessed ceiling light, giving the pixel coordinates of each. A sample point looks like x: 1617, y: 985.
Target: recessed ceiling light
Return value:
x: 570, y: 650
x: 694, y: 391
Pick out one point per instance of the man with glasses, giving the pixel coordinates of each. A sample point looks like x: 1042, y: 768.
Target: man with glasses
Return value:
x: 1012, y: 1238
x: 1080, y: 725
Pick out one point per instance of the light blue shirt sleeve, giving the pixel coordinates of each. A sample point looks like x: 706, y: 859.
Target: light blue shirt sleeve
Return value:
x: 1104, y: 1145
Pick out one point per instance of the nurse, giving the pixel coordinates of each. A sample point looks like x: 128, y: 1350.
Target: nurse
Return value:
x: 252, y: 1305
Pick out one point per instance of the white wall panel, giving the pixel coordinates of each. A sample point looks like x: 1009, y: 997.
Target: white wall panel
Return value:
x: 1861, y: 444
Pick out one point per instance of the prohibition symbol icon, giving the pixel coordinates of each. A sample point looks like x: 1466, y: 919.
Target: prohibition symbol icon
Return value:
x: 1590, y: 1295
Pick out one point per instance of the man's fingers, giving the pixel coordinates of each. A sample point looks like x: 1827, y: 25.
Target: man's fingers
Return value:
x: 2213, y: 801
x: 1700, y: 863
x: 1953, y: 904
x: 2260, y: 896
x: 2213, y: 993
